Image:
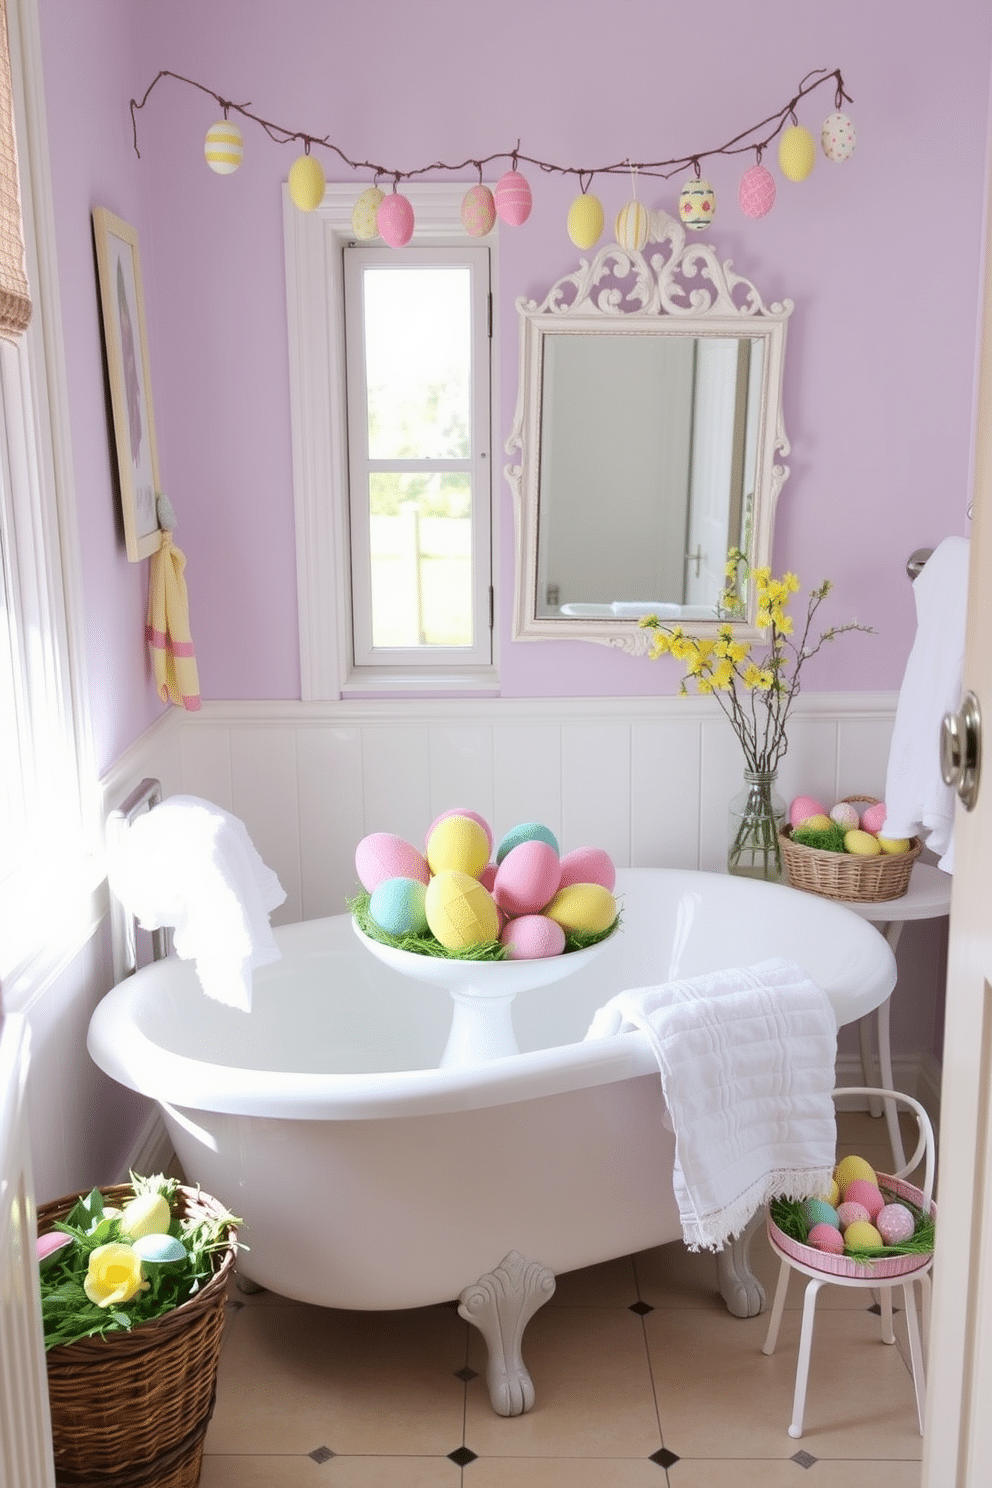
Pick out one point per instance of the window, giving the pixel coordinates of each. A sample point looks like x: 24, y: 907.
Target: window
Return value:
x: 391, y: 385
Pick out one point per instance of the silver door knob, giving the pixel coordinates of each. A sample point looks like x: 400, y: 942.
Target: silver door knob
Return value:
x: 961, y: 749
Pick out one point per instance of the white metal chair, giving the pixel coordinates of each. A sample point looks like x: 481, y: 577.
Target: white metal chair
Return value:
x: 867, y: 1277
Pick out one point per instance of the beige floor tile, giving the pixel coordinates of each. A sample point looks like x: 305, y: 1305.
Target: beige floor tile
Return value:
x: 672, y: 1276
x: 592, y: 1386
x: 340, y: 1472
x: 719, y: 1396
x: 294, y: 1378
x: 564, y: 1472
x: 710, y: 1474
x: 610, y: 1284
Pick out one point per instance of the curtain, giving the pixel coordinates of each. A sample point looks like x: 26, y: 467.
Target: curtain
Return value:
x: 15, y: 295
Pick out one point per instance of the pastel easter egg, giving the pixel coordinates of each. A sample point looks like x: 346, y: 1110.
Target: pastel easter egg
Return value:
x: 817, y: 823
x: 873, y: 817
x: 525, y: 832
x: 532, y: 936
x: 147, y: 1214
x: 824, y: 1237
x: 838, y: 137
x: 306, y: 183
x: 159, y: 1250
x: 585, y: 220
x: 796, y: 153
x: 223, y: 147
x: 478, y: 211
x: 850, y: 1168
x: 632, y: 227
x: 527, y: 878
x: 364, y: 214
x: 513, y: 198
x: 463, y: 811
x: 862, y: 844
x: 697, y: 204
x: 383, y: 855
x: 458, y: 842
x: 862, y: 1236
x: 488, y: 876
x: 845, y: 814
x: 848, y: 1212
x: 583, y: 909
x: 460, y: 912
x: 832, y: 1196
x: 895, y: 845
x: 895, y: 1223
x: 397, y: 906
x: 394, y: 220
x: 802, y: 808
x: 588, y: 865
x: 860, y: 1191
x: 48, y: 1246
x: 756, y: 193
x: 818, y: 1211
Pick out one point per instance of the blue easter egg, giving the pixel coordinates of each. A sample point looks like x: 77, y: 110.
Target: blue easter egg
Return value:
x: 159, y: 1250
x: 818, y: 1211
x: 526, y: 832
x: 397, y: 906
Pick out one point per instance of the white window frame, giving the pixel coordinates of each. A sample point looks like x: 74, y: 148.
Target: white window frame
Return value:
x: 315, y: 316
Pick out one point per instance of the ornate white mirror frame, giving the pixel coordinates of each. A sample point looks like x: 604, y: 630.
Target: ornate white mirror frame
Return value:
x: 669, y: 289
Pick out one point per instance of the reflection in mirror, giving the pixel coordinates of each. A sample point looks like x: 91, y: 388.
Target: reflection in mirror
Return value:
x: 649, y: 417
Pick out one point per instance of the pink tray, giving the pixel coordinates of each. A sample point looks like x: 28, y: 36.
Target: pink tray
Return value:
x: 841, y: 1265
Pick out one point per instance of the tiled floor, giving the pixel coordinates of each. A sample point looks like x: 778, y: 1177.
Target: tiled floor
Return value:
x: 642, y: 1379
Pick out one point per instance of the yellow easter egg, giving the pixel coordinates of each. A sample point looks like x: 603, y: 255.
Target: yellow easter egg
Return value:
x: 223, y: 147
x: 862, y: 844
x: 364, y: 213
x: 584, y: 909
x: 458, y: 843
x: 148, y: 1214
x: 306, y: 183
x: 832, y: 1195
x: 861, y: 1235
x: 585, y: 220
x: 460, y: 912
x: 850, y: 1168
x: 895, y: 844
x: 796, y: 153
x: 819, y: 822
x: 632, y: 226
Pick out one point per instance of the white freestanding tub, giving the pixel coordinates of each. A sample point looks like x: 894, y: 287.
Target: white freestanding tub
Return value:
x: 370, y: 1177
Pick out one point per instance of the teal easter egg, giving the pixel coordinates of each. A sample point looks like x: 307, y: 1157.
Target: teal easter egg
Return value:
x: 526, y: 832
x: 397, y: 906
x: 818, y: 1211
x: 159, y: 1250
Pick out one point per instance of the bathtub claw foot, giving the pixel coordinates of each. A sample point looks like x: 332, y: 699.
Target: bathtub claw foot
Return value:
x: 501, y: 1304
x: 739, y: 1287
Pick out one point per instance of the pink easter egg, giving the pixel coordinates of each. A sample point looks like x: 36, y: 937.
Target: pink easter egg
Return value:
x: 756, y: 193
x: 860, y: 1191
x: 383, y: 855
x: 827, y: 1238
x: 478, y: 211
x: 394, y: 220
x: 487, y: 877
x: 845, y: 814
x: 47, y: 1246
x: 530, y: 937
x: 873, y: 818
x: 513, y: 199
x: 802, y: 808
x: 460, y: 811
x: 895, y: 1224
x: 849, y: 1212
x: 588, y: 865
x: 527, y: 878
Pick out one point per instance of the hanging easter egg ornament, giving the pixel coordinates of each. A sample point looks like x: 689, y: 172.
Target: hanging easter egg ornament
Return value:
x: 364, y: 212
x: 306, y: 183
x: 697, y: 204
x: 395, y: 219
x: 838, y: 137
x: 513, y: 199
x: 756, y: 193
x: 796, y: 153
x: 585, y: 220
x: 632, y: 227
x: 478, y: 211
x: 223, y: 147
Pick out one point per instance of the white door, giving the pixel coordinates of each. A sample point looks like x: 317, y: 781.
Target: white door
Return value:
x: 958, y: 1438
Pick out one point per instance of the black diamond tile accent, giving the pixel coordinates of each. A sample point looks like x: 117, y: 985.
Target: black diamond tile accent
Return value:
x: 321, y: 1454
x: 641, y: 1308
x: 463, y: 1456
x: 804, y: 1459
x: 466, y: 1374
x: 663, y: 1457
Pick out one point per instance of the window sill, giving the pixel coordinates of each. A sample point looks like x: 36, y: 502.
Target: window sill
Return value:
x: 380, y: 682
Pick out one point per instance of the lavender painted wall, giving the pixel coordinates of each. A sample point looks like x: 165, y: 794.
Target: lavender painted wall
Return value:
x: 880, y: 256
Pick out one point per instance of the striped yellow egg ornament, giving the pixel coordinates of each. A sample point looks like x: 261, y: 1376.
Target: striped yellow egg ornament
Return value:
x: 223, y: 147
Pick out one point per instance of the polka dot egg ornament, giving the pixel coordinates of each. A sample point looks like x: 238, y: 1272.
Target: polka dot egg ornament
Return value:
x: 395, y: 220
x: 697, y: 204
x: 365, y: 212
x: 306, y: 183
x: 585, y: 220
x: 513, y: 199
x: 756, y: 193
x: 796, y: 153
x: 478, y: 211
x: 838, y: 137
x: 223, y: 147
x: 632, y: 227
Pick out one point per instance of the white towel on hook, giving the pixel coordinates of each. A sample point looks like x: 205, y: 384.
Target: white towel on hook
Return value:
x: 917, y: 801
x: 190, y: 865
x: 747, y: 1068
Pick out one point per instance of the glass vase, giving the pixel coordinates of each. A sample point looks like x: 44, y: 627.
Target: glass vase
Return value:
x: 756, y: 814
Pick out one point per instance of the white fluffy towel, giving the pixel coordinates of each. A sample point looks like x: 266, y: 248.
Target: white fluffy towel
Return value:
x: 190, y: 865
x: 747, y: 1067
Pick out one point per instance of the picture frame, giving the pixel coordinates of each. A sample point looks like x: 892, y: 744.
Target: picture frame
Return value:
x: 128, y: 374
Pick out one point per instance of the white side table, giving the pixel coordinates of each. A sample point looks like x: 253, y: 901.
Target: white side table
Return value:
x: 927, y: 898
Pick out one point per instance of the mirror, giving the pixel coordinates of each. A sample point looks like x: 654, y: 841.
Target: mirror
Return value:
x: 649, y: 423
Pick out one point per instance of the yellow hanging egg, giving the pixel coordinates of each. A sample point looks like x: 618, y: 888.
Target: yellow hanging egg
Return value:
x: 632, y: 227
x: 697, y: 204
x: 306, y: 183
x: 796, y: 153
x: 364, y: 212
x: 223, y: 147
x: 585, y: 220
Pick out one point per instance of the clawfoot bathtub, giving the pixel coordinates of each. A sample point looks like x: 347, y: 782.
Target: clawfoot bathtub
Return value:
x: 371, y: 1176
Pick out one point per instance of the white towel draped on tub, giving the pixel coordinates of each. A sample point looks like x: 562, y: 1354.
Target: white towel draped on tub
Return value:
x: 747, y: 1068
x: 191, y: 865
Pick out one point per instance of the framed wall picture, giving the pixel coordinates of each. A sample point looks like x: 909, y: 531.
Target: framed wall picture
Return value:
x: 126, y: 345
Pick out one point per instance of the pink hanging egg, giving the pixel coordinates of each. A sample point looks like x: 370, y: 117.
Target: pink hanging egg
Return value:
x: 478, y: 211
x: 513, y: 199
x: 531, y: 937
x: 756, y: 193
x: 395, y: 220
